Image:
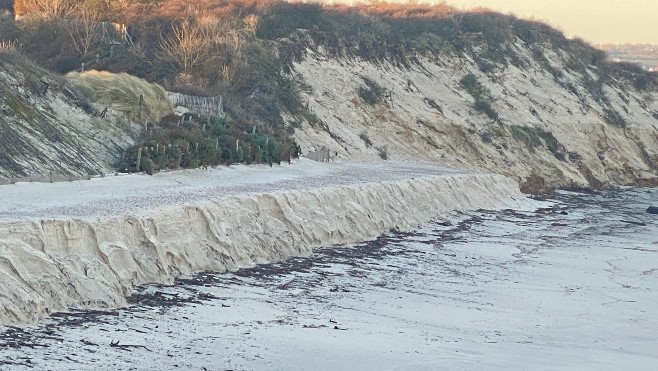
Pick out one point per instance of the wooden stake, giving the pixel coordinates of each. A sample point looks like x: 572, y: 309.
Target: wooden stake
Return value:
x: 141, y: 107
x: 139, y: 157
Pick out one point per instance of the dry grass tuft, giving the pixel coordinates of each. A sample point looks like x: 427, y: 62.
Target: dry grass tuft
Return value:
x: 121, y: 92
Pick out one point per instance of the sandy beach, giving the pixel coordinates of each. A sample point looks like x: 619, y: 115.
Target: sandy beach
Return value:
x: 565, y: 286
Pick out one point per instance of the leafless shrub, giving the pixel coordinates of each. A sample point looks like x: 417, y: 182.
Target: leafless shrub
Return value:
x: 186, y: 46
x: 84, y: 30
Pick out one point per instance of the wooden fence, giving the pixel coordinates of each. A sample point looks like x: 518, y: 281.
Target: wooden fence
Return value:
x: 203, y: 106
x: 116, y: 33
x: 322, y: 154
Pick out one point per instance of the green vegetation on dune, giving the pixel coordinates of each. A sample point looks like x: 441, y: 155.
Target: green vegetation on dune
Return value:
x: 481, y: 95
x: 372, y: 93
x: 534, y: 138
x: 174, y: 145
x: 241, y: 47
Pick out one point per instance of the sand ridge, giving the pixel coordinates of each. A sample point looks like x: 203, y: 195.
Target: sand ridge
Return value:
x: 84, y: 247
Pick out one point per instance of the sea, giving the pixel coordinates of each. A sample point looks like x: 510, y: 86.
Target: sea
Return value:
x: 570, y: 283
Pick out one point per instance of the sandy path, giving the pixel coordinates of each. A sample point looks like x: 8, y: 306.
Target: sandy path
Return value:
x: 135, y: 193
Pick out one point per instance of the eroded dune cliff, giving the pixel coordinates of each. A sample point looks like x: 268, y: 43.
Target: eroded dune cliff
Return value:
x: 539, y: 120
x: 92, y: 253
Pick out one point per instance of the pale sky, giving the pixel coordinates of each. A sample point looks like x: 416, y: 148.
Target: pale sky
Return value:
x: 596, y: 21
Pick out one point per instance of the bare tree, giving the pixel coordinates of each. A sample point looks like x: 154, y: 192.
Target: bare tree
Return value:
x: 186, y: 46
x: 84, y: 29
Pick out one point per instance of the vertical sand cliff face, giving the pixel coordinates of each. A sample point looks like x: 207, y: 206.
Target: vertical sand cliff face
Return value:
x: 553, y: 129
x: 91, y: 262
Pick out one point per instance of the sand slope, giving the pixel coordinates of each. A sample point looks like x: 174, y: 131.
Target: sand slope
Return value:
x: 551, y: 131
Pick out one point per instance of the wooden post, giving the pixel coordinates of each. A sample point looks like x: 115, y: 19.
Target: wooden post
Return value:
x: 139, y: 157
x: 237, y: 145
x: 141, y: 107
x: 390, y: 96
x: 216, y: 143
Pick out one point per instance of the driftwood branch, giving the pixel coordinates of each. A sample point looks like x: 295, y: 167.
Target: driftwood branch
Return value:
x: 126, y: 347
